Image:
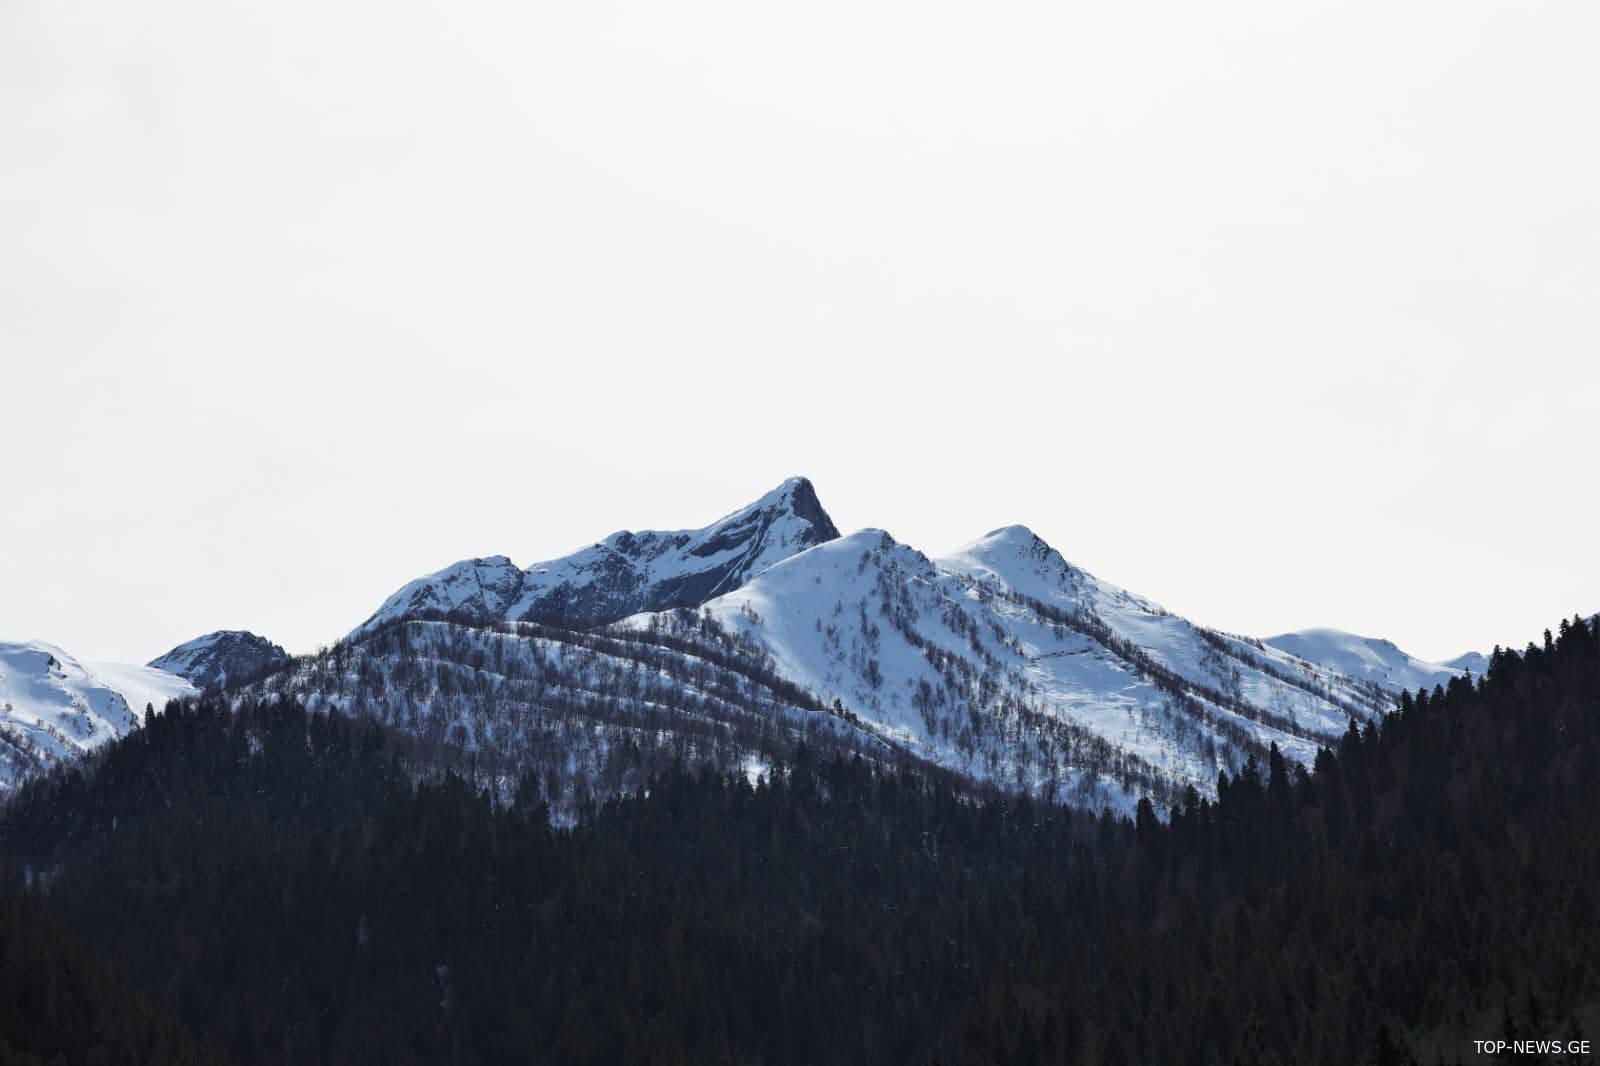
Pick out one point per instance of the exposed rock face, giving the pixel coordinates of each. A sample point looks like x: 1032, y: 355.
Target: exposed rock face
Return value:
x: 627, y: 573
x: 228, y: 656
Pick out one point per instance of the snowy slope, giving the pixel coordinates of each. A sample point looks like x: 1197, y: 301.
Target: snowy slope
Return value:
x: 1370, y: 658
x: 143, y: 686
x: 1240, y: 668
x: 53, y: 707
x: 224, y: 657
x: 624, y: 574
x: 1007, y: 662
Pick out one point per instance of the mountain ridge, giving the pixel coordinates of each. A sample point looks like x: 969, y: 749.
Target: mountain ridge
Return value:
x: 991, y: 659
x: 1002, y: 661
x: 727, y: 645
x: 626, y: 573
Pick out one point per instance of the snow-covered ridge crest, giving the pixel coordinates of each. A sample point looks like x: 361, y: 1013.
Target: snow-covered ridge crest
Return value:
x: 1370, y: 658
x: 625, y: 574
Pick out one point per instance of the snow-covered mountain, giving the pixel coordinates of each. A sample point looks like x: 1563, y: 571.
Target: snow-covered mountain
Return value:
x: 53, y: 707
x: 1474, y: 662
x: 1369, y: 658
x: 1003, y: 662
x: 226, y: 656
x: 626, y: 573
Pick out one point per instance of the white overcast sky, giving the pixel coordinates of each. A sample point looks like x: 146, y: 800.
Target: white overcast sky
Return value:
x: 1283, y: 314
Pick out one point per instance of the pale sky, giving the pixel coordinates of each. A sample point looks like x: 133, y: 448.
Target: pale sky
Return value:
x: 1283, y: 315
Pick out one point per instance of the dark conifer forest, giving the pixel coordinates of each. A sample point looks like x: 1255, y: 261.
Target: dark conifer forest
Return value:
x: 301, y: 889
x: 61, y: 1003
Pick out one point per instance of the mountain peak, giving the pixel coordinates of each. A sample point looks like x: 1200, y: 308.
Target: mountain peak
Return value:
x: 796, y: 497
x: 1000, y: 552
x: 227, y: 655
x: 802, y: 499
x: 1019, y: 537
x: 785, y: 490
x: 871, y: 539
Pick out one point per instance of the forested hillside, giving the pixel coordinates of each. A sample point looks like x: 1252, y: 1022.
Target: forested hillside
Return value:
x: 60, y: 1002
x: 307, y: 889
